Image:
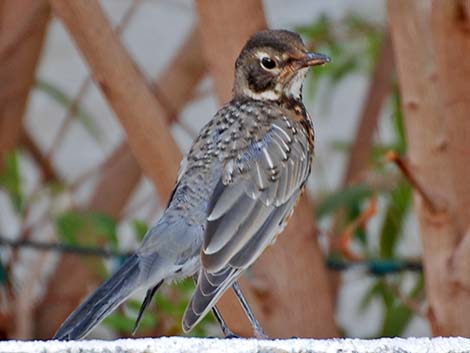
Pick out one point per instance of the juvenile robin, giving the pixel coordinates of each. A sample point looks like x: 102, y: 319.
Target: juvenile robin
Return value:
x: 234, y: 193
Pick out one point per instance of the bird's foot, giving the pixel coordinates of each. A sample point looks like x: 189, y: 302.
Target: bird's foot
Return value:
x: 231, y: 335
x: 259, y: 334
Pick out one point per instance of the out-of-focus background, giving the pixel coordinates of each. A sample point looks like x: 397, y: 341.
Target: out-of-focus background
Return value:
x: 99, y: 100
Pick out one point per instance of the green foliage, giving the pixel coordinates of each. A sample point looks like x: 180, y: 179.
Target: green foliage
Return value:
x: 125, y: 321
x: 397, y: 315
x: 398, y: 124
x: 352, y: 42
x: 169, y: 305
x: 140, y: 228
x: 69, y: 225
x: 175, y: 305
x: 10, y: 180
x: 86, y: 228
x: 393, y: 223
x: 348, y: 197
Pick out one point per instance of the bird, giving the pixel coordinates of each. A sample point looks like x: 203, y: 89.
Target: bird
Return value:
x: 235, y: 191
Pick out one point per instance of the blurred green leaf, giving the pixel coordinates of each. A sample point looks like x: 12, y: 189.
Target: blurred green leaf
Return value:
x: 398, y: 123
x: 419, y: 287
x: 375, y: 290
x: 119, y: 322
x: 347, y: 197
x: 124, y: 322
x: 319, y: 30
x: 55, y: 187
x: 355, y: 210
x: 104, y: 225
x: 86, y: 228
x: 69, y: 225
x: 397, y: 318
x: 392, y: 226
x: 352, y: 42
x: 341, y: 68
x: 397, y: 315
x: 84, y: 117
x: 140, y: 228
x: 10, y: 180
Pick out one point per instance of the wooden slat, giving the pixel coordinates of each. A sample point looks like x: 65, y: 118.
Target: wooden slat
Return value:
x: 431, y: 45
x: 125, y: 89
x: 22, y: 28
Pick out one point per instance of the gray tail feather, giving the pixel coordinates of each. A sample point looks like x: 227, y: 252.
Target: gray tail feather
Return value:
x: 102, y: 301
x: 209, y: 289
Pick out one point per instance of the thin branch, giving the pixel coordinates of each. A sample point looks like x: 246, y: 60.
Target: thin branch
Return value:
x: 415, y: 306
x: 402, y: 164
x: 62, y: 248
x: 47, y: 169
x: 377, y: 267
x: 361, y: 221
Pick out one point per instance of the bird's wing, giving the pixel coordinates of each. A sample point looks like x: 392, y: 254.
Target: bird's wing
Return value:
x: 255, y: 195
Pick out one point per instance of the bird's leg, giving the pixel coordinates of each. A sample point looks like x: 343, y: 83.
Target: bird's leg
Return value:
x: 148, y: 298
x: 228, y: 333
x: 223, y: 325
x: 258, y: 330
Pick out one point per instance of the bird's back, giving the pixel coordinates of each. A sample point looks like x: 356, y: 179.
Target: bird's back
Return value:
x: 250, y: 163
x: 235, y: 132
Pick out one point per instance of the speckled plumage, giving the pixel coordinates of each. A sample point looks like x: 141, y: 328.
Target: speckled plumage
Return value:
x: 235, y: 190
x: 261, y: 152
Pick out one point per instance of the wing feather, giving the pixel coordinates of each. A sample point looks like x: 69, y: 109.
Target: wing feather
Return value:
x: 215, y: 261
x: 255, y: 182
x: 256, y: 193
x: 221, y: 231
x: 226, y: 201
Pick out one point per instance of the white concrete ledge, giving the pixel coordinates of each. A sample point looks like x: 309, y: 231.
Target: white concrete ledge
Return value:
x: 193, y: 345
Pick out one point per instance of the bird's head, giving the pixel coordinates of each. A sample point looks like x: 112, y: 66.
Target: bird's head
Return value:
x: 272, y: 65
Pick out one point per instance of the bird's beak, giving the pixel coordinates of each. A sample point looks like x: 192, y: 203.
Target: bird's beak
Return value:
x: 313, y: 59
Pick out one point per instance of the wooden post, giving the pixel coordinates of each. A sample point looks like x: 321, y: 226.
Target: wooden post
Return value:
x: 432, y: 43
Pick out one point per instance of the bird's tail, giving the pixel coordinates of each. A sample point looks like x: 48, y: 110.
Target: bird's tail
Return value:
x: 102, y: 301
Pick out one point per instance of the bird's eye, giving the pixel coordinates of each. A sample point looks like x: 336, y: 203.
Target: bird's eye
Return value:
x: 268, y: 63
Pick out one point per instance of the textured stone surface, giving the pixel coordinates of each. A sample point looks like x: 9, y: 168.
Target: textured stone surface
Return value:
x: 186, y: 345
